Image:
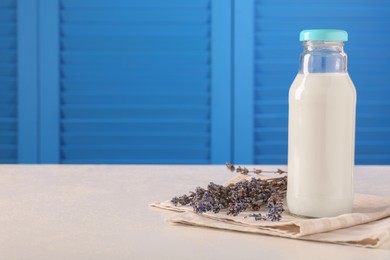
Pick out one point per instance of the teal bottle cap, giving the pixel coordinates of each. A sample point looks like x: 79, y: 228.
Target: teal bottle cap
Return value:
x: 323, y: 35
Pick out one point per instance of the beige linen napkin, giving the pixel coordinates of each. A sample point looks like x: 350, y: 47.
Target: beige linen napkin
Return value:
x: 367, y: 226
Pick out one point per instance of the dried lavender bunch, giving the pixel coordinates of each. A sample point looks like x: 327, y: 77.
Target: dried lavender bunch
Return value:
x: 245, y: 171
x: 239, y: 197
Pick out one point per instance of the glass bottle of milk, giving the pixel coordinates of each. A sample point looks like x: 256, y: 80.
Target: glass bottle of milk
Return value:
x: 321, y: 128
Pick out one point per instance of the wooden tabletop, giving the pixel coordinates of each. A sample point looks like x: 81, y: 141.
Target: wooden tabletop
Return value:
x: 102, y: 212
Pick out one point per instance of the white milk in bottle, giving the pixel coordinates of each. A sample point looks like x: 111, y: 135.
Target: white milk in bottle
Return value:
x: 321, y: 130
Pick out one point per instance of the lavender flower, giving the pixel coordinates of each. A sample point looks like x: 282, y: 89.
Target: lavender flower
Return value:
x: 257, y: 216
x: 236, y: 198
x: 275, y: 207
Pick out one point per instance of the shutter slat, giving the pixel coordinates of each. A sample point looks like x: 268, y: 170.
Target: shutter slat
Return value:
x: 7, y: 15
x: 150, y: 113
x: 169, y: 43
x: 94, y: 29
x: 134, y: 161
x: 6, y: 45
x: 124, y: 57
x: 8, y: 4
x: 7, y: 111
x: 91, y: 4
x: 267, y: 53
x: 7, y: 98
x: 146, y: 84
x: 364, y: 25
x: 7, y: 83
x: 337, y: 11
x: 112, y: 127
x: 136, y: 140
x: 134, y: 99
x: 7, y: 70
x: 83, y: 152
x: 70, y: 70
x: 274, y: 67
x: 7, y: 29
x: 8, y: 138
x: 310, y: 2
x: 123, y: 15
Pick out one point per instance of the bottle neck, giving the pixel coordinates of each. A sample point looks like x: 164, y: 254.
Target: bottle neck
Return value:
x: 323, y: 57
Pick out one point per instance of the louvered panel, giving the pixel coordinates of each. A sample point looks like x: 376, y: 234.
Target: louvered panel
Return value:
x: 8, y: 89
x: 135, y: 81
x: 276, y: 55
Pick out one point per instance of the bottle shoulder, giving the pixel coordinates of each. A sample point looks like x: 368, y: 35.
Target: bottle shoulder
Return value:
x: 322, y: 80
x: 314, y: 84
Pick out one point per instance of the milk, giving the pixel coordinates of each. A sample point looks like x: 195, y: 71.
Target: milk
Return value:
x: 321, y: 144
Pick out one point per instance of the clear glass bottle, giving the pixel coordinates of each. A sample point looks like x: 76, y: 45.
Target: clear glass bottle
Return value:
x: 321, y: 130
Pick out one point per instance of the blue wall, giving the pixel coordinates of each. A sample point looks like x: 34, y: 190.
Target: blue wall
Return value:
x: 175, y: 81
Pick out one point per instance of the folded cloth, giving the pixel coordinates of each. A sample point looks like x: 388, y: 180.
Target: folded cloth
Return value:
x: 367, y: 226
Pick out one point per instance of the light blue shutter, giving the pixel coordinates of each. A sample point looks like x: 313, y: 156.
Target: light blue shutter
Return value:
x: 8, y: 82
x: 135, y: 82
x: 275, y: 61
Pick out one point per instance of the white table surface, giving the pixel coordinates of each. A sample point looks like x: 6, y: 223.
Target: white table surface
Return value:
x: 101, y: 212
